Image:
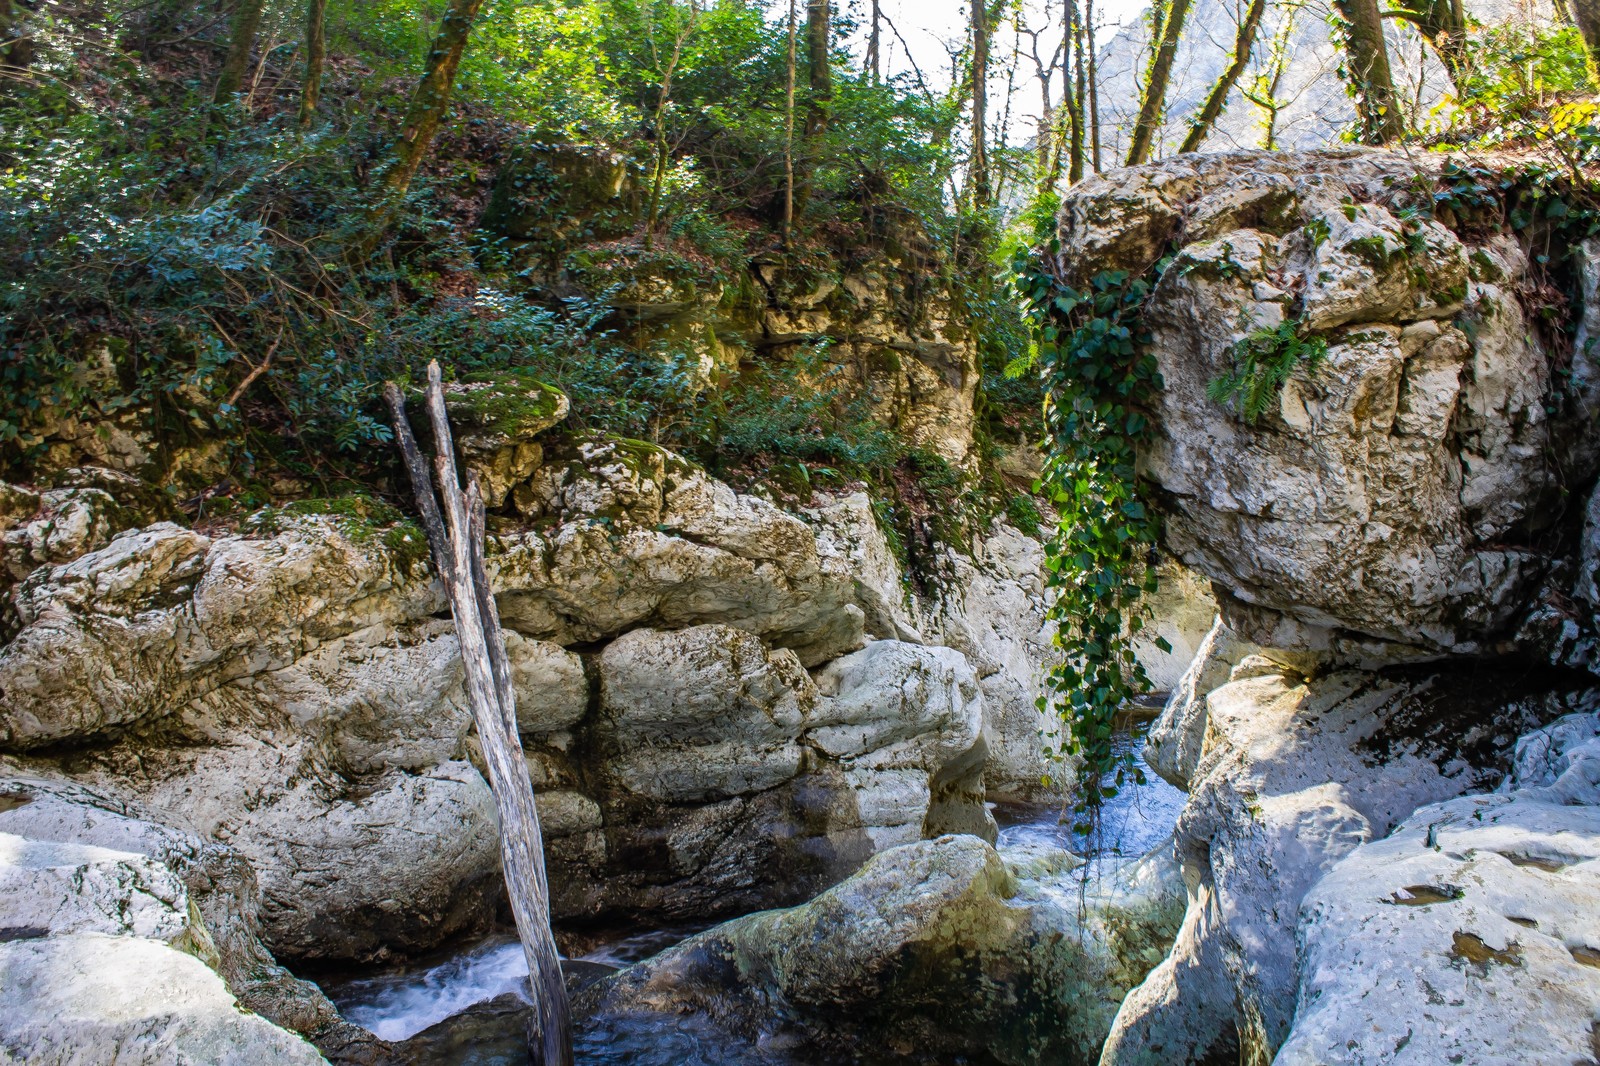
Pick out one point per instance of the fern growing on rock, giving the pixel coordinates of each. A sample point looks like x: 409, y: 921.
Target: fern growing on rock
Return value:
x: 1263, y: 361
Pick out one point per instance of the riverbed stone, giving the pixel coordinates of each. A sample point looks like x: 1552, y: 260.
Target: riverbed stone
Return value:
x: 935, y: 951
x: 90, y: 997
x: 82, y: 861
x: 1300, y: 766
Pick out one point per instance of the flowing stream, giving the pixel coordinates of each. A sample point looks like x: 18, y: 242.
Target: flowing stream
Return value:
x: 1132, y: 822
x: 466, y: 1008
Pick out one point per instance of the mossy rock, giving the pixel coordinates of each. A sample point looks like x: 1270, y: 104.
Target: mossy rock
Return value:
x: 361, y: 518
x: 145, y: 503
x: 509, y: 405
x: 560, y: 192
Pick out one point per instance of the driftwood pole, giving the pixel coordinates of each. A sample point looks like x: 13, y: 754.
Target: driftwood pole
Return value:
x: 456, y: 538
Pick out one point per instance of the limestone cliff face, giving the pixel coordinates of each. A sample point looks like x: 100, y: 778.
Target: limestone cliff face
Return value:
x: 1395, y: 547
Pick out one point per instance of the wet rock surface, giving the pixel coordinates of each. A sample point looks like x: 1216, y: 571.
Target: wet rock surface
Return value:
x: 939, y: 951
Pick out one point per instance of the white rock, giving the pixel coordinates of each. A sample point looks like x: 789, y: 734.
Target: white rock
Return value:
x: 552, y: 691
x: 645, y: 539
x: 898, y: 705
x: 1381, y: 497
x: 91, y: 998
x: 1181, y: 613
x: 1294, y: 775
x: 111, y: 867
x: 850, y: 542
x: 991, y: 609
x: 700, y: 713
x: 49, y: 888
x: 1472, y: 933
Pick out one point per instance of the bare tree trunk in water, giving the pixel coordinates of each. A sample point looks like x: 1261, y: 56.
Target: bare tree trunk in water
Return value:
x: 1242, y: 47
x: 1168, y: 26
x: 456, y: 540
x: 1366, y: 52
x: 316, y: 50
x: 241, y: 39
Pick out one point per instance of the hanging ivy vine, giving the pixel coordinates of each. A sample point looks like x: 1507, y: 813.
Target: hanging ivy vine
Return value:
x: 1092, y: 351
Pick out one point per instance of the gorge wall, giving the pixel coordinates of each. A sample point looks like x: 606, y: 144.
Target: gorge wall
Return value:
x: 1378, y: 869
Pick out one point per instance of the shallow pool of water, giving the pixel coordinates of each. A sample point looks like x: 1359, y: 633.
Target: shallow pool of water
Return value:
x: 1132, y: 822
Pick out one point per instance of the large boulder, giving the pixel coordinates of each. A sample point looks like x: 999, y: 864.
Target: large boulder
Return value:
x: 294, y: 691
x: 287, y: 695
x: 1493, y: 901
x: 1396, y: 491
x: 289, y: 690
x: 938, y: 951
x: 630, y: 535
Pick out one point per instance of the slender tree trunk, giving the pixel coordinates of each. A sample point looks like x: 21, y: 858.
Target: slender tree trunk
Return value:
x: 819, y: 78
x: 241, y: 39
x: 981, y: 191
x: 1169, y: 27
x: 456, y: 539
x: 788, y: 132
x: 1586, y: 16
x: 1073, y: 88
x: 1049, y: 147
x: 1264, y: 92
x: 819, y: 67
x: 1094, y: 82
x: 874, y: 40
x: 1079, y: 117
x: 658, y: 176
x: 429, y: 102
x: 1243, y: 45
x: 1367, y: 54
x: 316, y: 49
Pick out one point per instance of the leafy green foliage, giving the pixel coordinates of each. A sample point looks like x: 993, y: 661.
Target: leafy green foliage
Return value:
x: 1524, y: 78
x: 1100, y: 379
x: 1263, y: 361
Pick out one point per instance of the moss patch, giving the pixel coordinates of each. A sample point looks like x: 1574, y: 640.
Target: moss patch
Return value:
x: 515, y: 405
